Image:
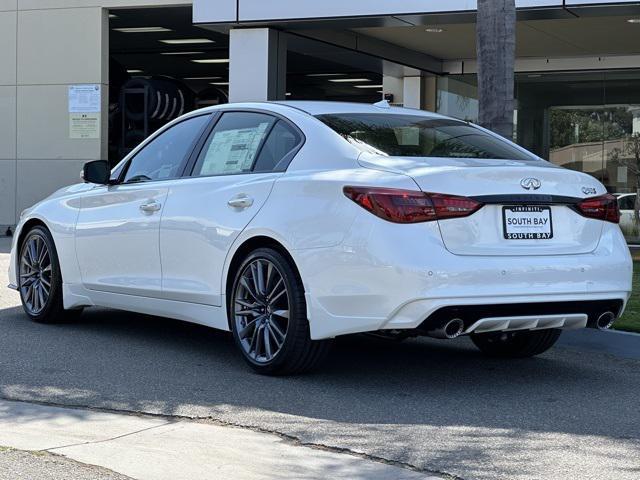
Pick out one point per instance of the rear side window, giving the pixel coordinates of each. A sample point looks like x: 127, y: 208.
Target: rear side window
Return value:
x: 415, y: 136
x: 234, y: 144
x: 280, y: 147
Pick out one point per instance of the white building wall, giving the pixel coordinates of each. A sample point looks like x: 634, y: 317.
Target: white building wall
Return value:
x: 45, y: 46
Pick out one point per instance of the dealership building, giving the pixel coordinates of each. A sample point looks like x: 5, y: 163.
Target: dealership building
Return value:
x: 83, y: 80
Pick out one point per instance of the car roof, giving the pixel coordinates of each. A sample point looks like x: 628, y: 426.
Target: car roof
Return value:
x: 325, y: 108
x: 316, y: 108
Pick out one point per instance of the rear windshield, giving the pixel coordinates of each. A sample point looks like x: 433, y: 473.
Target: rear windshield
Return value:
x: 414, y: 136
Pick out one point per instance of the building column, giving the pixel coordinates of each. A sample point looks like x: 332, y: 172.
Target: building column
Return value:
x: 412, y: 92
x: 257, y: 65
x: 393, y: 86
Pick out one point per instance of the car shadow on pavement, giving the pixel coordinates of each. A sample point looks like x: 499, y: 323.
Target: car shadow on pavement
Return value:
x: 396, y: 397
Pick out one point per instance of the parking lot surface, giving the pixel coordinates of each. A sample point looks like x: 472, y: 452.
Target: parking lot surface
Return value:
x: 435, y: 405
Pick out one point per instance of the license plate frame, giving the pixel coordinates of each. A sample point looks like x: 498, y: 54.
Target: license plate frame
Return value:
x: 527, y: 231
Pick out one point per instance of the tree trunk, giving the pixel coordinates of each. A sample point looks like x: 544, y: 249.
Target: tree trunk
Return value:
x: 496, y: 45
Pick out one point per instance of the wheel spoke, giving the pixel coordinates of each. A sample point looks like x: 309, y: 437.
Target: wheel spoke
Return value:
x: 275, y: 287
x: 33, y: 254
x: 260, y: 278
x: 35, y: 299
x: 249, y: 290
x: 268, y: 280
x: 278, y: 295
x: 281, y: 313
x: 277, y: 334
x: 244, y: 303
x: 267, y: 343
x: 254, y: 278
x: 250, y: 326
x: 253, y: 341
x: 40, y: 290
x: 259, y: 341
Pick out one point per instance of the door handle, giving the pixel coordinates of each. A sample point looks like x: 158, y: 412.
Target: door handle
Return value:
x: 150, y: 207
x: 240, y: 201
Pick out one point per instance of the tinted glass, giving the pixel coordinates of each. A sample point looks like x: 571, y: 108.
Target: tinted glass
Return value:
x: 233, y: 144
x: 627, y: 202
x: 282, y: 141
x: 164, y: 156
x: 415, y: 136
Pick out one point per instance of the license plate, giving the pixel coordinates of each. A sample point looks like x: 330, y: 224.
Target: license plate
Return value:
x: 527, y: 222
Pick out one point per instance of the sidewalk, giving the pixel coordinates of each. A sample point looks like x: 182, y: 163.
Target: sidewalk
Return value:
x: 155, y: 448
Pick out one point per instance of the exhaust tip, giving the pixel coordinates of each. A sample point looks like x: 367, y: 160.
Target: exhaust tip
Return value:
x: 605, y: 321
x: 454, y: 328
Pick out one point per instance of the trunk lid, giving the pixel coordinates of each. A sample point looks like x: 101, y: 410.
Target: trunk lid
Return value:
x: 531, y: 214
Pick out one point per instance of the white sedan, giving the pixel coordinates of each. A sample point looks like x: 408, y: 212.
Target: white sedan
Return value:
x: 293, y: 223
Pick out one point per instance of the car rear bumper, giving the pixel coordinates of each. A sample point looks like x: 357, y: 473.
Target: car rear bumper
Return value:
x: 384, y: 281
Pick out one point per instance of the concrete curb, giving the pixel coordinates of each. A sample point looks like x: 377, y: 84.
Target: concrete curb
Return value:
x: 156, y: 448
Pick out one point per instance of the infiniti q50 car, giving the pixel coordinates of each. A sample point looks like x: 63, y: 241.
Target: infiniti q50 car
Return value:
x: 292, y: 223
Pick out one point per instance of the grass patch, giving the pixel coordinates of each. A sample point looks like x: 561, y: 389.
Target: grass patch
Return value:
x: 630, y: 321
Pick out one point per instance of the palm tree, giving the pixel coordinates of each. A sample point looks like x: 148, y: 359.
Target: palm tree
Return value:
x: 496, y: 45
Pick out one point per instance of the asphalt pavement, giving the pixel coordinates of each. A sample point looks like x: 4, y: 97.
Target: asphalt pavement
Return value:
x: 438, y: 406
x: 20, y: 465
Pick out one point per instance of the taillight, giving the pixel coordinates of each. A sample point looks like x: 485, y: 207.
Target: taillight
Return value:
x: 604, y: 207
x: 410, y: 206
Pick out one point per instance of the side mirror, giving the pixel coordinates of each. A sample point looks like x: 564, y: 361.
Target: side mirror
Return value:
x: 96, y: 172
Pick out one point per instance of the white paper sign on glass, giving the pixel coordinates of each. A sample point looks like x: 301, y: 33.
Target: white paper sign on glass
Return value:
x: 85, y: 98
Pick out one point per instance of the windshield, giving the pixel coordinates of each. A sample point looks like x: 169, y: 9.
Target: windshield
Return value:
x: 415, y: 136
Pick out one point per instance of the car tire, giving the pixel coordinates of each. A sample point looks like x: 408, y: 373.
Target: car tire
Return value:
x: 40, y: 280
x: 258, y: 312
x: 516, y: 344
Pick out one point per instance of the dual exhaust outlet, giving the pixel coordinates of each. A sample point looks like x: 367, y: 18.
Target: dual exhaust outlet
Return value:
x: 605, y: 321
x: 447, y: 329
x: 453, y: 328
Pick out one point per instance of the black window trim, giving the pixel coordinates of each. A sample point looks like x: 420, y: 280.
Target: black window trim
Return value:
x: 282, y: 164
x: 183, y: 163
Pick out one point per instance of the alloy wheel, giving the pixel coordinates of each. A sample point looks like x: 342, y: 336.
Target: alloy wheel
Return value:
x: 35, y: 274
x: 261, y: 310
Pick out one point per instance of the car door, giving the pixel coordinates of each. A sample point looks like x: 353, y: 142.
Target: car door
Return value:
x: 118, y: 227
x: 232, y: 177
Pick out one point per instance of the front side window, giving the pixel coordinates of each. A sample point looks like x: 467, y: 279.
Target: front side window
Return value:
x: 163, y: 158
x: 234, y: 144
x: 400, y: 135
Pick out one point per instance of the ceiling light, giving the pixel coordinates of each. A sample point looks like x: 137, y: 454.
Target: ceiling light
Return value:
x: 186, y: 41
x: 142, y: 29
x: 434, y: 30
x: 534, y: 75
x: 111, y: 15
x: 325, y: 74
x: 202, y: 78
x: 349, y: 80
x: 633, y: 20
x: 288, y: 94
x: 219, y: 83
x: 211, y: 60
x: 134, y: 70
x: 369, y: 86
x: 181, y: 53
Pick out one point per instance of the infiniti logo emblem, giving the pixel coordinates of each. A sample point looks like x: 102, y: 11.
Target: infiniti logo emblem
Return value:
x: 530, y: 183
